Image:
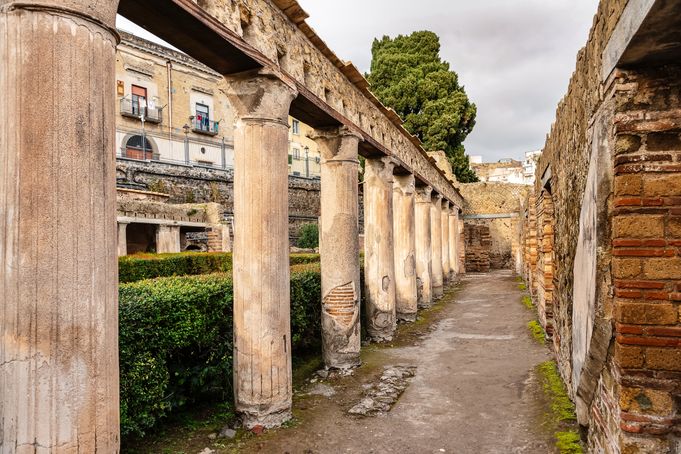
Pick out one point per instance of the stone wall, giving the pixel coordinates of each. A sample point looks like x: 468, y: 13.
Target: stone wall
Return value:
x: 611, y: 164
x: 193, y: 184
x: 497, y: 206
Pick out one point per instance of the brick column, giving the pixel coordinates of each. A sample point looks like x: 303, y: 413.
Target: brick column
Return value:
x: 262, y: 332
x: 436, y: 245
x: 424, y: 250
x: 122, y: 239
x: 167, y: 239
x: 545, y: 261
x: 406, y: 301
x: 453, y: 218
x: 58, y: 241
x: 379, y: 255
x: 444, y: 219
x: 339, y: 247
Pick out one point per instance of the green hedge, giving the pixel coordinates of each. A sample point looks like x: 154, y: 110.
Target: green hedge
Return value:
x: 138, y: 267
x: 176, y: 340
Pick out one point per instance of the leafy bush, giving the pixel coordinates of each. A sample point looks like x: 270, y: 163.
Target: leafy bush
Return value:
x: 308, y: 236
x: 137, y: 267
x: 176, y: 340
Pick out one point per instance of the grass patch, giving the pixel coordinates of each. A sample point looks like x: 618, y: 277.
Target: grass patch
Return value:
x: 522, y: 286
x: 561, y: 415
x: 527, y: 302
x: 568, y: 442
x: 537, y: 332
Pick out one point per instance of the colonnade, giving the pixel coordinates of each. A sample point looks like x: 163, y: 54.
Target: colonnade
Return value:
x: 58, y: 280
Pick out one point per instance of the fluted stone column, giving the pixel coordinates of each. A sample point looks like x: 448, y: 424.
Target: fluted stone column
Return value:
x: 462, y: 247
x: 444, y: 219
x: 379, y: 255
x: 406, y: 297
x: 58, y: 239
x: 262, y: 332
x: 122, y: 239
x: 454, y: 239
x: 339, y: 247
x: 168, y: 239
x: 424, y: 250
x: 436, y: 245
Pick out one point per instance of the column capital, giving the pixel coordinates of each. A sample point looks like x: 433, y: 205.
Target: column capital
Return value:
x: 423, y: 194
x: 436, y: 199
x: 404, y: 184
x: 261, y: 96
x: 337, y: 143
x: 381, y: 167
x: 102, y: 14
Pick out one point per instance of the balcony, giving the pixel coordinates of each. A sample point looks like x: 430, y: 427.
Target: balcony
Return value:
x: 133, y: 110
x: 205, y: 126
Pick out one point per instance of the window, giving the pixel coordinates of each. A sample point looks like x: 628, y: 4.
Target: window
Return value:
x: 295, y: 127
x: 203, y: 116
x: 139, y: 100
x: 296, y: 153
x: 290, y: 159
x: 138, y: 147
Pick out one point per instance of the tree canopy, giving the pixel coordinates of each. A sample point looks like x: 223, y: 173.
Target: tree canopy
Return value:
x: 408, y: 75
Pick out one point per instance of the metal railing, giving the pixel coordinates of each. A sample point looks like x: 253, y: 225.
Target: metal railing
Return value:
x: 205, y: 126
x: 133, y: 110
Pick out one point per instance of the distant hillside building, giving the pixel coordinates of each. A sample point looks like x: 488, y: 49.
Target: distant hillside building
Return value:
x: 507, y: 170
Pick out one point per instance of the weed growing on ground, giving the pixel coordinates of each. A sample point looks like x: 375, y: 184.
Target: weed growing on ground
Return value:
x: 522, y: 287
x: 536, y: 331
x: 568, y: 442
x: 527, y: 302
x: 562, y: 410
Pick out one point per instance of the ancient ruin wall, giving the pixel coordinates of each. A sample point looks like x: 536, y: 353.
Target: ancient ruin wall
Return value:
x: 611, y: 163
x: 497, y: 207
x: 201, y: 185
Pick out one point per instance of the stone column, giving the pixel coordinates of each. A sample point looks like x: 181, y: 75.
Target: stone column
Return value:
x: 379, y: 255
x: 262, y: 331
x: 454, y: 240
x: 424, y: 250
x: 167, y: 239
x: 406, y: 296
x: 339, y: 247
x: 436, y: 245
x: 122, y: 239
x: 462, y: 247
x: 444, y: 219
x: 58, y: 239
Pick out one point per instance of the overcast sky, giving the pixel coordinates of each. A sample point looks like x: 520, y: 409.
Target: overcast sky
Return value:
x: 514, y: 57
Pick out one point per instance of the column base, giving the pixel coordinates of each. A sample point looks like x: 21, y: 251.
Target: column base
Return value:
x: 268, y: 421
x: 411, y: 317
x: 342, y: 361
x: 425, y: 304
x: 438, y: 292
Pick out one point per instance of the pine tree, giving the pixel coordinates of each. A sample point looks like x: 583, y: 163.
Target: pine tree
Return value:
x: 408, y: 75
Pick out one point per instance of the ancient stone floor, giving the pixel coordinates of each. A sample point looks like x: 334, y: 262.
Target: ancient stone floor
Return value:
x: 473, y: 388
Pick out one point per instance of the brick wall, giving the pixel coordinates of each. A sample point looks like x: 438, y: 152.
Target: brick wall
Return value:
x: 478, y: 243
x: 646, y: 247
x: 544, y: 261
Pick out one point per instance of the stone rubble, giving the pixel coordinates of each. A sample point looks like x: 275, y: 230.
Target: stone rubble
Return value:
x: 381, y: 396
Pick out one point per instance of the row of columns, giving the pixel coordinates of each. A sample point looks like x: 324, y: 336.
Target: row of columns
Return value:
x: 58, y: 280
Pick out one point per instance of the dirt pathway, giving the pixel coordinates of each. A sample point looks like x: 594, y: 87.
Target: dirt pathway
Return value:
x: 474, y: 390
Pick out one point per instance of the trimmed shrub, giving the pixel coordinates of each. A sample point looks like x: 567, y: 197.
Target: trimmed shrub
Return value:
x: 308, y: 236
x: 176, y: 340
x: 137, y: 267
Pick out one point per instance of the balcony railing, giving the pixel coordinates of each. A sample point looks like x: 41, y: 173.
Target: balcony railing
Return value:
x: 205, y: 126
x: 133, y: 110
